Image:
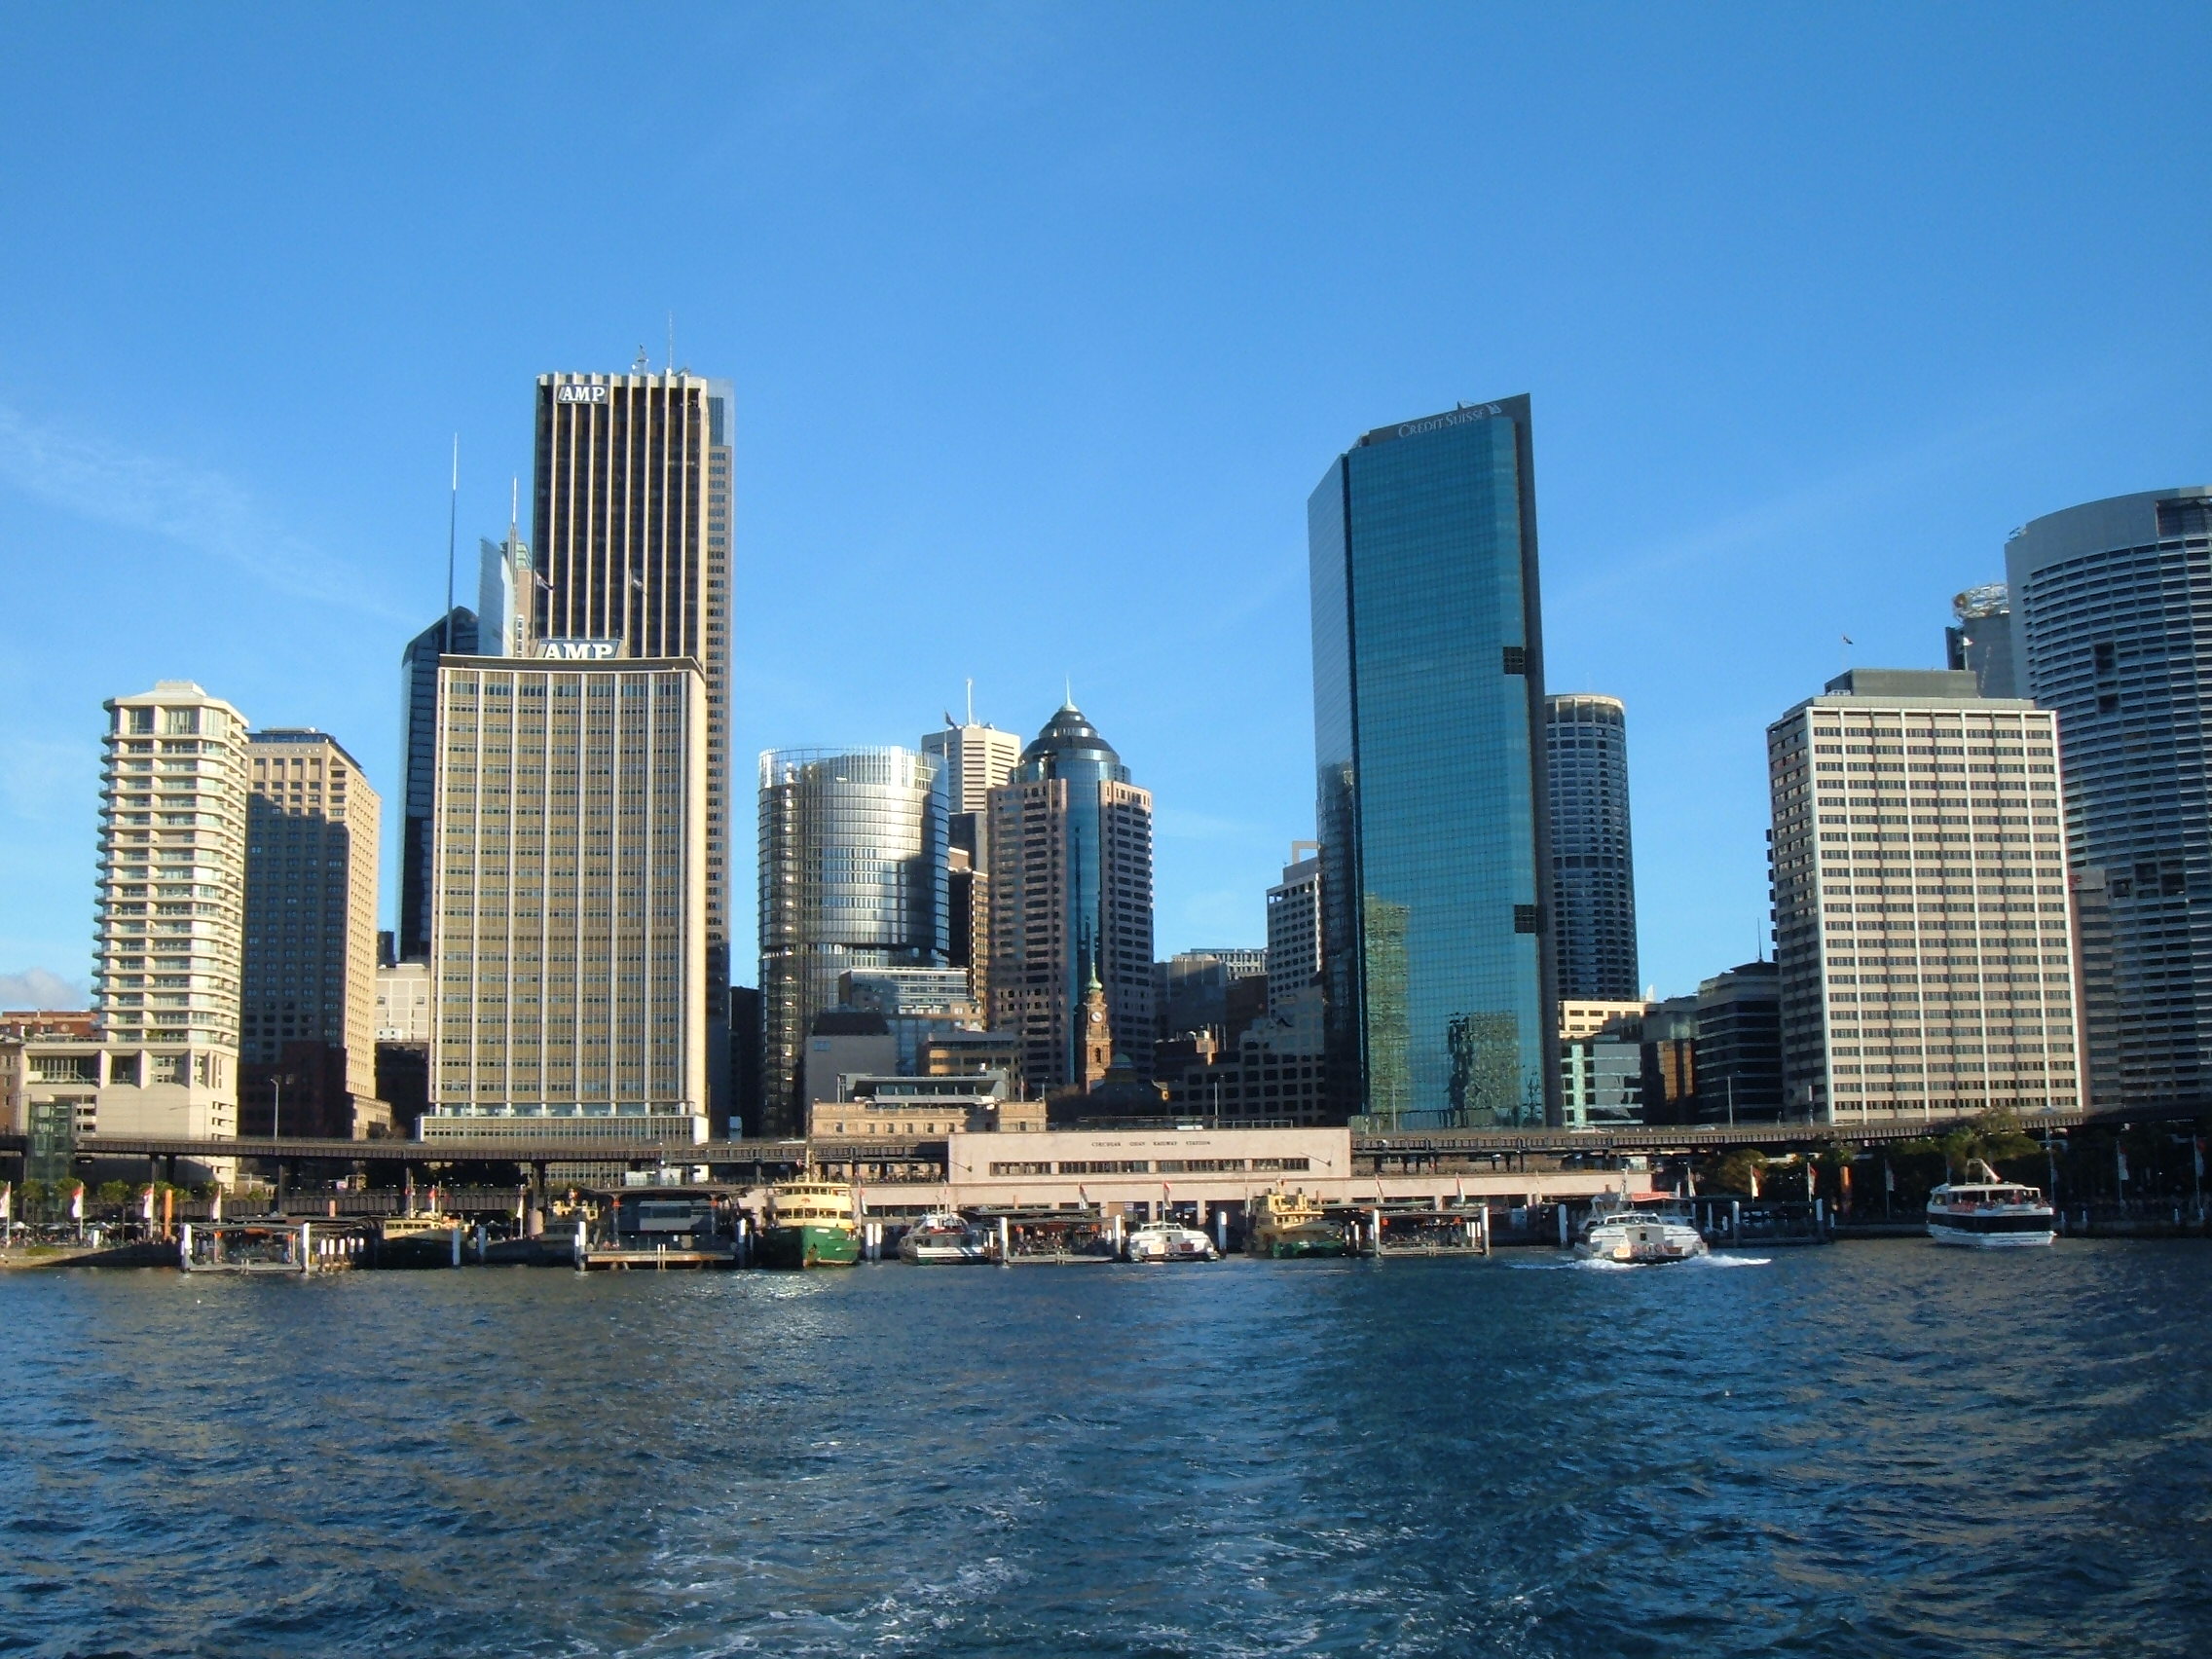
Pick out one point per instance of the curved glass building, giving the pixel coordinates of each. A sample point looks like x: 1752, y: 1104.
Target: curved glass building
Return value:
x: 1593, y: 872
x: 1428, y: 714
x: 852, y: 873
x: 2111, y: 609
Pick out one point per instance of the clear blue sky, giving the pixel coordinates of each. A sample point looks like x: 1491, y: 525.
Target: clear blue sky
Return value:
x: 1044, y: 322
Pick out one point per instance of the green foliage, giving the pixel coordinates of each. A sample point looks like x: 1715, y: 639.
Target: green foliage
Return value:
x: 1736, y: 1171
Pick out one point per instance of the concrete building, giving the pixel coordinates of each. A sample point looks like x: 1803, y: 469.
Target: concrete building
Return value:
x: 972, y: 761
x: 1979, y: 640
x: 505, y: 582
x: 1294, y: 925
x: 1593, y: 867
x: 170, y: 937
x: 569, y: 881
x: 1071, y: 895
x: 2111, y: 606
x: 313, y: 826
x: 909, y: 1106
x: 1428, y: 709
x: 1602, y: 1080
x: 917, y: 1006
x: 404, y: 1003
x: 452, y: 635
x: 852, y: 873
x: 1921, y: 920
x: 1581, y: 1017
x: 631, y: 542
x: 1191, y: 989
x: 1670, y: 1061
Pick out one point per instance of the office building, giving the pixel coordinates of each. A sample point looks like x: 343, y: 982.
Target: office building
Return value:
x: 1592, y: 874
x: 403, y: 1003
x: 1428, y: 717
x: 570, y: 889
x: 917, y: 1004
x: 2113, y: 616
x: 1670, y: 1061
x: 1924, y: 957
x: 452, y: 635
x: 972, y: 761
x: 503, y: 587
x: 852, y: 872
x: 631, y: 542
x: 1602, y: 1078
x: 1294, y: 926
x: 1581, y: 1017
x: 1191, y: 991
x: 1979, y: 640
x: 1737, y: 1057
x: 171, y: 908
x: 311, y: 914
x: 1071, y: 896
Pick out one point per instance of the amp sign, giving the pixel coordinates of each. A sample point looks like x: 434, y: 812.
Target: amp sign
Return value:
x: 579, y: 651
x: 580, y: 395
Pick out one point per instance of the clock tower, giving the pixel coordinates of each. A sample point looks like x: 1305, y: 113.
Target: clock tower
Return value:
x: 1096, y: 1036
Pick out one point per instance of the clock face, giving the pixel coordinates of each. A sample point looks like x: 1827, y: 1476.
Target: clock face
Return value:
x: 1098, y: 1018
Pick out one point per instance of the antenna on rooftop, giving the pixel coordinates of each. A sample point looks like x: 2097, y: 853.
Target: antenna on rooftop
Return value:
x: 452, y: 522
x: 671, y: 343
x: 971, y: 701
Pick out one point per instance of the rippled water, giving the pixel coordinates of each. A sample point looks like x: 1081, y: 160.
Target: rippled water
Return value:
x: 1873, y: 1448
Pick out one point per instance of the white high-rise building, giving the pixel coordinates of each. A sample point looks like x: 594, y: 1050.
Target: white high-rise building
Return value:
x: 1294, y: 927
x: 172, y: 899
x: 570, y: 916
x: 1921, y: 919
x: 972, y: 761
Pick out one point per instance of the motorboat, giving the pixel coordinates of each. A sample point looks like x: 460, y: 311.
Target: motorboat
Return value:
x: 1159, y: 1242
x: 944, y: 1236
x: 1616, y: 1231
x: 1987, y: 1212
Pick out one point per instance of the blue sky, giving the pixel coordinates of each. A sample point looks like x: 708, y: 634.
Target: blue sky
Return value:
x: 1044, y: 322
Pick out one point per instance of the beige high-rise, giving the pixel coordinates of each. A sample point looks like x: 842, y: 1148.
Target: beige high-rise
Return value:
x: 311, y: 937
x: 972, y: 761
x: 172, y: 891
x: 1921, y: 910
x: 570, y: 915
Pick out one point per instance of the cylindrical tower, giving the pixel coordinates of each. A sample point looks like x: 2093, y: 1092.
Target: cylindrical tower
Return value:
x: 852, y: 872
x: 1593, y: 870
x: 2112, y: 605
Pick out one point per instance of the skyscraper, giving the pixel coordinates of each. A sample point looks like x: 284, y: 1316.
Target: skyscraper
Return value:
x: 1979, y: 640
x: 570, y: 896
x: 171, y: 909
x: 504, y: 586
x: 1428, y: 714
x: 1294, y: 927
x: 452, y: 635
x: 972, y: 761
x: 852, y: 872
x: 631, y: 542
x: 1592, y: 871
x: 1921, y: 924
x: 311, y: 917
x: 1071, y: 897
x: 2112, y: 607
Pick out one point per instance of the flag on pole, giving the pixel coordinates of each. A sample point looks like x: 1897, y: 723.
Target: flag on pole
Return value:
x: 146, y: 1205
x: 2122, y: 1153
x: 2198, y: 1147
x: 1889, y: 1179
x: 77, y: 1202
x: 7, y: 1202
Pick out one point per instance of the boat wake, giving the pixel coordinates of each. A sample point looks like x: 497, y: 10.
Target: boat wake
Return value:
x: 1597, y: 1265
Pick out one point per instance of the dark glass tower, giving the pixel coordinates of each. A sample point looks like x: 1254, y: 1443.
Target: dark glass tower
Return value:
x: 1593, y: 868
x: 1428, y: 722
x: 452, y: 635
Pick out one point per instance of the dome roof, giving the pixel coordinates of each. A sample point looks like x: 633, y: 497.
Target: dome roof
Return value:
x: 1067, y: 737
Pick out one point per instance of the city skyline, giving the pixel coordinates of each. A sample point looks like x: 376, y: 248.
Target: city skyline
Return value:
x: 1115, y: 356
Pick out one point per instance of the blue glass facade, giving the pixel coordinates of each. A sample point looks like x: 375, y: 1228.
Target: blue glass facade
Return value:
x: 452, y: 635
x: 1428, y: 714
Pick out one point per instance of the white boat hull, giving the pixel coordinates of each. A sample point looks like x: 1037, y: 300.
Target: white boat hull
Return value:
x: 1642, y: 1242
x: 939, y: 1255
x: 1960, y: 1237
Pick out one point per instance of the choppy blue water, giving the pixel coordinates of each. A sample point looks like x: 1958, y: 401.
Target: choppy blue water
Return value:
x: 1873, y: 1448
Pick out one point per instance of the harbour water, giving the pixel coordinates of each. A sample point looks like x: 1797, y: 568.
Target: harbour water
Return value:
x: 1872, y: 1449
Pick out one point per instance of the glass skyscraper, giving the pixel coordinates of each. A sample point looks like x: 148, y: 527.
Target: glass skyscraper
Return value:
x: 852, y: 875
x: 1429, y: 720
x: 451, y: 634
x: 2112, y: 613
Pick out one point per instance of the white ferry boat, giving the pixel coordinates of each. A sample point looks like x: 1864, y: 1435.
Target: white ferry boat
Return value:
x: 943, y: 1236
x: 1171, y: 1242
x: 1985, y: 1212
x: 1617, y: 1232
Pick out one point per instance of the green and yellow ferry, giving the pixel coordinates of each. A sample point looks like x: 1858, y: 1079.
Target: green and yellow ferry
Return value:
x: 810, y: 1225
x: 1291, y: 1224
